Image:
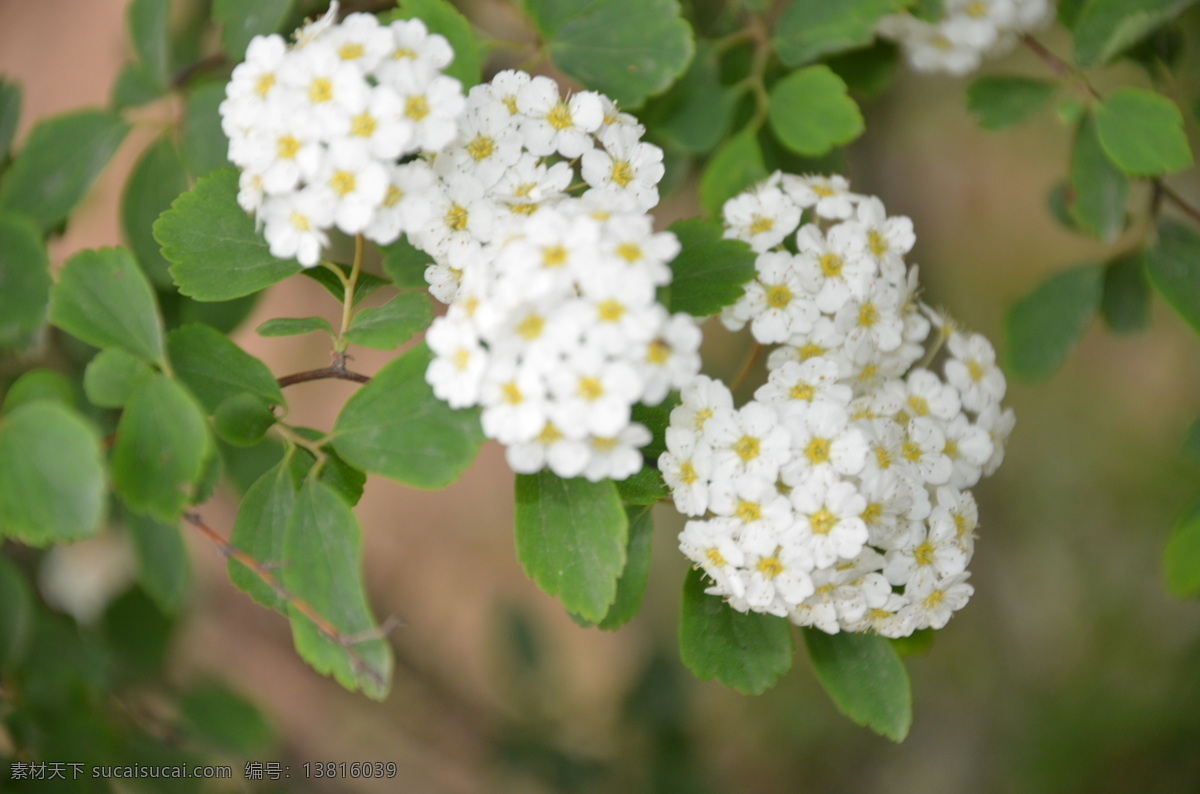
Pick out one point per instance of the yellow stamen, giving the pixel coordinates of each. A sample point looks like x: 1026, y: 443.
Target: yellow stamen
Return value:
x: 320, y: 90
x: 416, y: 108
x: 822, y: 521
x: 747, y: 448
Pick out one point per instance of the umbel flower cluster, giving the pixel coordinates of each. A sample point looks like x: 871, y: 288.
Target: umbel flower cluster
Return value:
x: 320, y: 128
x: 968, y: 32
x: 551, y: 276
x: 839, y: 496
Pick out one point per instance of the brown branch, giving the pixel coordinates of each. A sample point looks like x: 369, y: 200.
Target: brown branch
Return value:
x: 208, y: 62
x: 345, y: 642
x: 746, y: 367
x: 1178, y: 200
x: 336, y: 371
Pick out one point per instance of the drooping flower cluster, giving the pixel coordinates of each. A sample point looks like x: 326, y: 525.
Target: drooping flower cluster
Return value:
x: 838, y: 497
x: 320, y: 128
x: 553, y: 325
x: 968, y: 32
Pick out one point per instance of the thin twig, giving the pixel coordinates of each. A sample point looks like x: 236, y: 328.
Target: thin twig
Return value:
x: 208, y: 62
x: 339, y: 373
x: 345, y: 642
x: 1178, y: 200
x: 746, y: 367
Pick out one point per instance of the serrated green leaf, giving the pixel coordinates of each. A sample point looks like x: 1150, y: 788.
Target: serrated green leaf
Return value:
x: 392, y: 324
x: 808, y: 29
x: 627, y: 49
x: 571, y: 540
x: 919, y: 643
x: 346, y: 480
x: 224, y: 316
x: 202, y: 141
x: 157, y: 179
x: 323, y: 567
x: 242, y: 20
x: 646, y: 487
x: 16, y: 615
x: 1098, y: 188
x: 259, y: 530
x: 444, y: 19
x: 1044, y: 326
x: 363, y: 286
x: 396, y: 427
x: 112, y: 376
x: 697, y: 111
x: 1001, y: 101
x: 60, y: 160
x: 865, y: 678
x: 215, y: 252
x: 292, y: 326
x: 1173, y: 264
x: 811, y: 113
x: 746, y: 651
x: 404, y: 264
x: 51, y: 475
x: 222, y: 718
x: 1105, y: 28
x: 39, y: 385
x: 710, y: 271
x: 161, y: 447
x: 243, y: 419
x: 102, y: 298
x: 631, y: 587
x: 215, y: 368
x: 24, y: 278
x: 1142, y: 132
x: 737, y: 164
x: 1125, y: 301
x: 1181, y: 558
x: 162, y: 563
x: 133, y: 88
x: 147, y: 21
x: 10, y: 114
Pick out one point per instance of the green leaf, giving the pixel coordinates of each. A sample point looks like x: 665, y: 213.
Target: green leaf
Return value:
x: 16, y: 615
x: 1143, y: 132
x: 323, y: 567
x: 156, y: 181
x: 736, y: 165
x: 865, y: 679
x: 202, y: 141
x: 868, y: 71
x: 931, y: 10
x: 808, y: 29
x: 709, y: 272
x: 259, y: 530
x: 810, y: 112
x: 1044, y: 326
x: 291, y: 326
x: 1191, y: 442
x: 364, y: 286
x: 1098, y: 188
x: 571, y: 540
x: 215, y: 368
x: 404, y: 264
x: 644, y: 488
x: 133, y: 88
x: 393, y: 323
x: 627, y: 49
x: 1181, y: 559
x: 1125, y: 302
x: 103, y: 299
x: 162, y: 561
x: 224, y: 316
x: 697, y: 111
x: 224, y: 719
x: 216, y: 253
x: 631, y: 587
x: 1001, y: 101
x: 1056, y: 204
x: 38, y: 385
x: 1105, y: 28
x: 24, y: 278
x: 396, y: 427
x: 339, y: 475
x: 747, y: 651
x: 243, y: 419
x: 147, y: 20
x: 10, y: 114
x: 242, y: 20
x: 61, y: 158
x: 444, y: 19
x: 919, y: 643
x: 51, y: 475
x: 656, y: 418
x: 161, y: 447
x: 112, y: 377
x: 1173, y: 264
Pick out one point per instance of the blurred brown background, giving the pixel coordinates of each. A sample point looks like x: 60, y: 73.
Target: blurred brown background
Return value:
x: 1071, y: 670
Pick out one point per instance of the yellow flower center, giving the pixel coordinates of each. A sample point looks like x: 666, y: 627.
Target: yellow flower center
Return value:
x: 714, y: 557
x: 872, y: 513
x: 974, y: 369
x: 748, y: 511
x: 918, y: 404
x: 462, y: 357
x: 320, y: 90
x: 363, y: 125
x: 802, y: 391
x: 591, y: 389
x: 392, y: 197
x: 817, y: 451
x: 811, y: 350
x: 747, y: 448
x: 610, y: 311
x: 877, y: 243
x: 559, y: 116
x: 416, y: 107
x: 456, y: 218
x: 630, y: 252
x: 351, y: 50
x: 511, y: 394
x: 264, y: 84
x: 604, y: 444
x: 883, y: 457
x: 687, y: 473
x: 824, y: 191
x: 702, y: 416
x: 510, y: 102
x: 400, y: 53
x: 760, y: 224
x: 822, y: 521
x: 770, y: 567
x: 342, y: 182
x: 867, y: 315
x: 923, y: 554
x: 910, y: 451
x: 831, y: 265
x: 554, y: 256
x: 481, y: 148
x: 299, y: 222
x: 286, y: 147
x: 621, y: 174
x: 658, y: 352
x: 951, y: 449
x: 778, y: 296
x: 548, y: 435
x: 531, y: 327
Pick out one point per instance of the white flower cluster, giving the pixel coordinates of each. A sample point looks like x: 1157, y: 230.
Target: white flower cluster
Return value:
x: 838, y: 497
x: 969, y: 31
x: 319, y: 129
x: 553, y: 325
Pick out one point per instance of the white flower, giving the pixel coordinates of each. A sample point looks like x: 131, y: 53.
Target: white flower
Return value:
x: 567, y: 457
x: 710, y: 545
x: 888, y: 239
x: 973, y: 371
x: 830, y: 197
x: 686, y: 467
x: 457, y: 369
x: 762, y: 217
x: 776, y: 301
x: 593, y: 394
x: 430, y: 105
x: 625, y: 166
x: 748, y: 443
x: 617, y: 457
x: 554, y: 125
x: 793, y: 387
x: 931, y: 604
x: 702, y: 400
x: 824, y: 441
x: 833, y: 264
x: 405, y: 205
x: 828, y: 518
x: 515, y: 405
x: 293, y: 224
